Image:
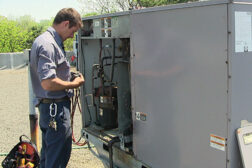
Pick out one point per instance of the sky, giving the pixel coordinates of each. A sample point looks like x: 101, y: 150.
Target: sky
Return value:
x: 38, y: 9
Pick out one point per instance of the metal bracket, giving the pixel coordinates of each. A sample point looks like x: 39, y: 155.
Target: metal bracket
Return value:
x: 92, y: 99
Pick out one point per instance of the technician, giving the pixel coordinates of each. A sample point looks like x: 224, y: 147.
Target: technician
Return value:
x: 50, y: 76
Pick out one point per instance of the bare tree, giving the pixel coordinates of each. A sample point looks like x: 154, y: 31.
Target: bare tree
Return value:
x: 109, y: 6
x: 104, y: 6
x: 124, y: 5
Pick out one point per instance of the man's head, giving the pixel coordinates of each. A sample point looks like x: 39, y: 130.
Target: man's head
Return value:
x: 67, y: 22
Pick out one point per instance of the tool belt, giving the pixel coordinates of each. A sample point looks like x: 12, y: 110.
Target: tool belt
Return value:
x: 49, y: 101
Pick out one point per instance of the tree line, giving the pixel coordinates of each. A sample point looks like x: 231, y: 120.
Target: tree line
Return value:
x: 19, y: 34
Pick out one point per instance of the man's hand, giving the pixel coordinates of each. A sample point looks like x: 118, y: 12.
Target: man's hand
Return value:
x: 79, y: 80
x: 56, y: 84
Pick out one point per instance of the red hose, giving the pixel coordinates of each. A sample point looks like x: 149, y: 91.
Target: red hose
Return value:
x: 75, y: 102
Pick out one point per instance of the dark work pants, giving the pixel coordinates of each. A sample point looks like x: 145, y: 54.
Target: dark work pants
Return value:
x: 56, y: 145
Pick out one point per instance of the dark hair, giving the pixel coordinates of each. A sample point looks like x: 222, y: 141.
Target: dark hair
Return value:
x: 68, y: 14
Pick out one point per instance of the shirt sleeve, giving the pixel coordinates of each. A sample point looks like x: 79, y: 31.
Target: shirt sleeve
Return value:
x: 46, y: 62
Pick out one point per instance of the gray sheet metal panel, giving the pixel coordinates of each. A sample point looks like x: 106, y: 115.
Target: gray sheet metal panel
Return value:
x: 174, y: 6
x: 182, y: 5
x: 120, y: 158
x: 179, y: 79
x: 120, y: 27
x: 242, y: 1
x: 107, y: 15
x: 97, y: 28
x: 89, y: 53
x: 240, y: 88
x: 123, y: 96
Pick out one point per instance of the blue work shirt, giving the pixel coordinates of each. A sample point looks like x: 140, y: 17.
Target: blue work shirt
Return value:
x: 48, y: 60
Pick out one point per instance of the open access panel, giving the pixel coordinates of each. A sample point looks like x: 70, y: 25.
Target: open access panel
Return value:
x: 167, y: 86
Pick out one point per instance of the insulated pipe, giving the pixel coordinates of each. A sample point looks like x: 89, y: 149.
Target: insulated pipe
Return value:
x: 110, y: 145
x: 33, y: 116
x: 101, y: 68
x: 108, y: 57
x: 112, y: 68
x: 95, y: 66
x: 112, y: 63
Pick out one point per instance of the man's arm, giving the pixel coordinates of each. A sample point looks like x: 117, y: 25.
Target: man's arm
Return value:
x: 56, y: 84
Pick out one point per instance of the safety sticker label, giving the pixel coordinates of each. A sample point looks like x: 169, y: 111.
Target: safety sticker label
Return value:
x: 97, y: 24
x: 141, y: 116
x: 243, y: 31
x: 217, y: 142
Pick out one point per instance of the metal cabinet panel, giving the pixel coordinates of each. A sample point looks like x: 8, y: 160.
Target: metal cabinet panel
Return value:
x: 179, y: 83
x: 240, y: 82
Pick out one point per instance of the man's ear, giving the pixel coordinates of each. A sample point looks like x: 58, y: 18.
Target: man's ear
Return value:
x: 66, y: 23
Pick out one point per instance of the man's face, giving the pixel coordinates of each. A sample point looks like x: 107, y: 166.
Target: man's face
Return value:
x: 69, y: 32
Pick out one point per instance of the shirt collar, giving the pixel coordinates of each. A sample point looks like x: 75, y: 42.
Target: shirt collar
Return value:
x: 55, y: 36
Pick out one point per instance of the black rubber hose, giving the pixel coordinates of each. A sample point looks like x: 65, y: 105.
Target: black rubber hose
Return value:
x: 113, y: 62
